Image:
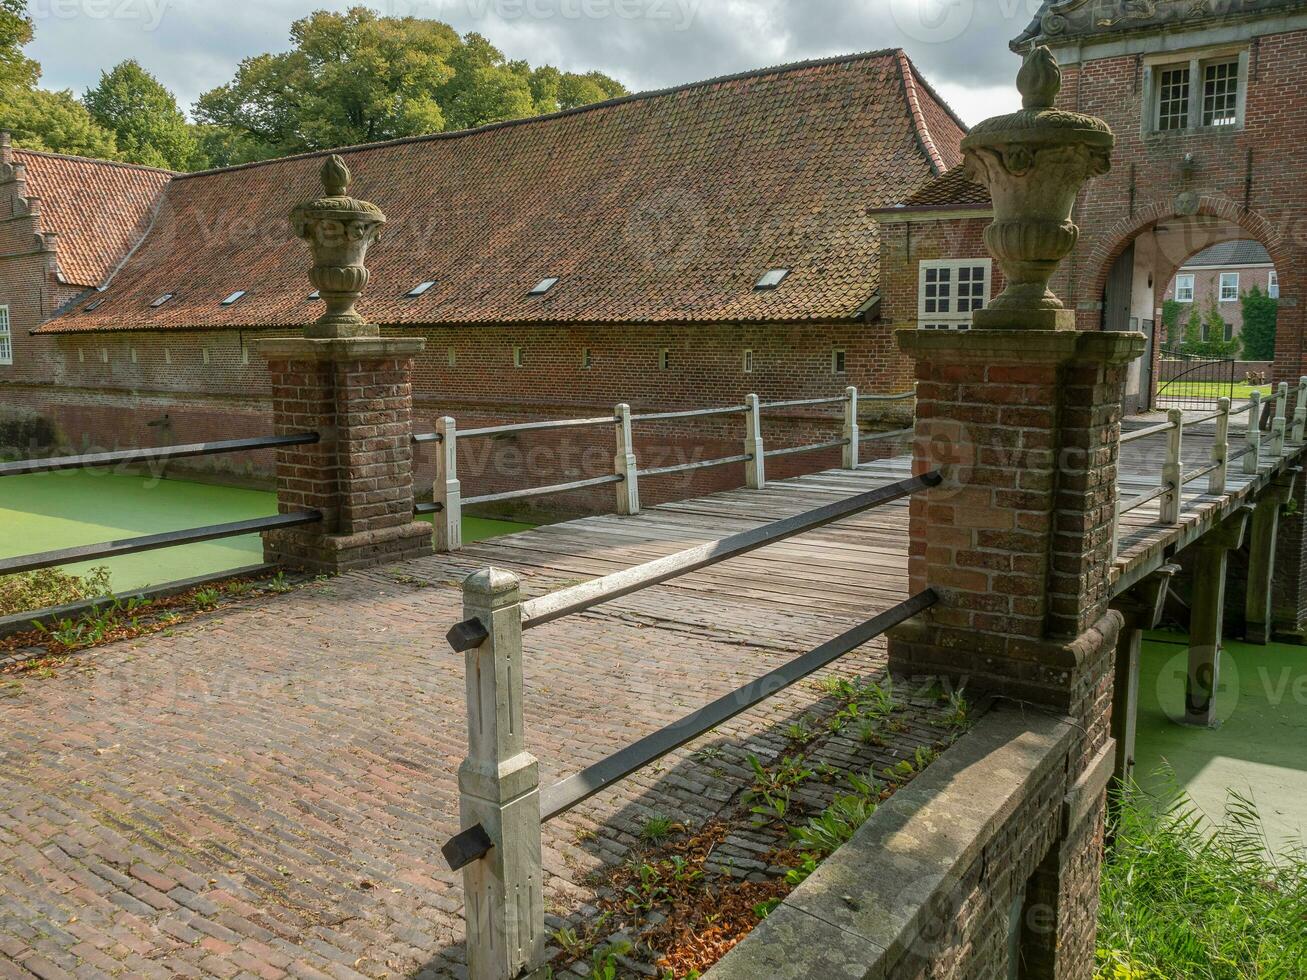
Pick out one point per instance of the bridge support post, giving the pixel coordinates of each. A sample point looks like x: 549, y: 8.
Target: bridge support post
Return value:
x: 447, y: 490
x: 625, y: 465
x: 1141, y: 609
x: 499, y: 788
x: 852, y: 431
x: 755, y: 469
x: 1207, y: 619
x: 1262, y: 546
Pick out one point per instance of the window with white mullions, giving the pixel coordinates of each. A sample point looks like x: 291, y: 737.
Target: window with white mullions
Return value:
x: 6, y: 338
x: 1221, y: 94
x: 1184, y: 288
x: 950, y: 291
x: 1173, y: 98
x: 1229, y: 287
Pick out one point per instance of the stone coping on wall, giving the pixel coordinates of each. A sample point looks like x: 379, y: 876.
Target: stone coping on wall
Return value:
x: 861, y: 910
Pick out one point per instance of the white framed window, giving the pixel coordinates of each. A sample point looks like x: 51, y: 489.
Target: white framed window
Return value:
x: 1184, y: 288
x: 1202, y: 92
x: 1273, y: 285
x: 1229, y: 287
x: 6, y: 337
x: 748, y: 362
x: 587, y: 359
x: 518, y: 359
x: 838, y: 362
x: 664, y: 359
x: 949, y: 291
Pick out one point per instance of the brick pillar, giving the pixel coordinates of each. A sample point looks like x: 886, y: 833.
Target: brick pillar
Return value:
x: 1018, y: 544
x: 357, y: 394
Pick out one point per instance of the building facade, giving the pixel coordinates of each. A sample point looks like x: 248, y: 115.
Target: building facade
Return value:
x: 1220, y: 276
x: 673, y: 250
x: 1204, y: 100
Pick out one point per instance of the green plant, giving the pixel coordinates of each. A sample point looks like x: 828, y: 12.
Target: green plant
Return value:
x: 206, y: 598
x: 682, y: 870
x: 835, y: 825
x: 800, y: 732
x: 1181, y: 898
x: 49, y: 587
x: 604, y: 964
x: 1261, y: 313
x: 657, y: 829
x: 650, y: 890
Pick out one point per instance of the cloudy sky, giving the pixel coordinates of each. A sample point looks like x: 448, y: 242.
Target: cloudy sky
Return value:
x: 194, y: 45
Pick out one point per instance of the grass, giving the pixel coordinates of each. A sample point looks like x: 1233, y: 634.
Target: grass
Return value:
x: 1182, y: 900
x: 1213, y: 390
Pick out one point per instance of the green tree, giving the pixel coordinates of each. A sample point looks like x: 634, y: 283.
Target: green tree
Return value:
x: 1260, y: 314
x: 18, y: 72
x: 358, y: 77
x: 144, y: 117
x: 1171, y: 310
x: 55, y: 121
x: 1213, y: 324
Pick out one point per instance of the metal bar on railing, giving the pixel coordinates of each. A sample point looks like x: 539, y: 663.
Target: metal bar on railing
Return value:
x: 804, y: 402
x: 889, y: 398
x: 494, y: 498
x: 578, y: 599
x: 152, y: 542
x: 698, y: 413
x: 426, y: 437
x: 501, y: 430
x: 24, y: 467
x: 895, y: 434
x: 1189, y: 478
x: 701, y: 465
x: 423, y: 509
x: 474, y: 843
x: 1144, y: 498
x: 568, y: 793
x: 798, y: 450
x: 1152, y: 430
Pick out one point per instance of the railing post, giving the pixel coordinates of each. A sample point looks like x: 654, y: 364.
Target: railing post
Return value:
x: 1281, y: 422
x: 1252, y: 460
x: 448, y: 523
x: 625, y: 465
x: 1172, y: 475
x: 499, y: 788
x: 755, y: 469
x: 1300, y: 413
x: 1220, y: 450
x: 852, y: 431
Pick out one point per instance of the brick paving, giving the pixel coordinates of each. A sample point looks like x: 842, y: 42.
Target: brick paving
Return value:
x: 263, y: 792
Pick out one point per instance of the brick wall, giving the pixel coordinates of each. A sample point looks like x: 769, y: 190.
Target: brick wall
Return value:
x: 1207, y: 290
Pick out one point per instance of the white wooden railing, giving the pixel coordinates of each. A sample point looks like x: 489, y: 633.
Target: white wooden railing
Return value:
x: 447, y: 495
x: 1174, y: 479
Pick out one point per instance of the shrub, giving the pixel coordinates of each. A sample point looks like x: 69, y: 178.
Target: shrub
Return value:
x: 49, y: 587
x: 1183, y: 899
x: 1260, y: 315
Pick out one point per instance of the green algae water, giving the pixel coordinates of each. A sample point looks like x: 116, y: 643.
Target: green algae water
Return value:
x: 47, y: 511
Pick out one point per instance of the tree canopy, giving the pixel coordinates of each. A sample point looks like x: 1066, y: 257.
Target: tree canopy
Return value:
x: 1260, y: 315
x: 349, y: 78
x: 359, y: 77
x: 143, y: 116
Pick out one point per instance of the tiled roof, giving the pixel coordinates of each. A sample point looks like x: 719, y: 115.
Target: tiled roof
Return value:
x: 950, y: 190
x: 99, y: 209
x: 662, y: 207
x: 1230, y: 253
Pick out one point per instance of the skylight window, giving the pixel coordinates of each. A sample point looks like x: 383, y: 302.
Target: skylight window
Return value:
x: 233, y: 297
x: 772, y: 279
x: 92, y: 307
x: 161, y: 300
x: 544, y: 286
x: 421, y: 288
x: 315, y: 295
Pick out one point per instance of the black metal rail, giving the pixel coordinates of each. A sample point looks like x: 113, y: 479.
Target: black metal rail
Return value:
x: 537, y: 612
x: 474, y: 843
x: 152, y: 542
x: 154, y: 454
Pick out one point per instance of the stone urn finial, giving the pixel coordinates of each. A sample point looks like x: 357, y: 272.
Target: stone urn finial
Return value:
x: 1034, y: 163
x: 338, y: 230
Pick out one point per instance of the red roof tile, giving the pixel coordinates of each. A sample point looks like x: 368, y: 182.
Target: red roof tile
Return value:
x: 660, y: 207
x: 949, y: 190
x: 99, y: 209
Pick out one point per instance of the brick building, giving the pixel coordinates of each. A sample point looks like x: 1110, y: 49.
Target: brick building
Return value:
x: 1205, y: 102
x: 672, y: 250
x: 1221, y: 275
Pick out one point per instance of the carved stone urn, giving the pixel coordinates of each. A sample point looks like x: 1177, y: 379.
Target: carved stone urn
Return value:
x: 338, y: 230
x: 1034, y: 163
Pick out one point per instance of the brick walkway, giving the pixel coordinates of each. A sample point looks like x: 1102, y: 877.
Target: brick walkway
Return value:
x: 264, y: 792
